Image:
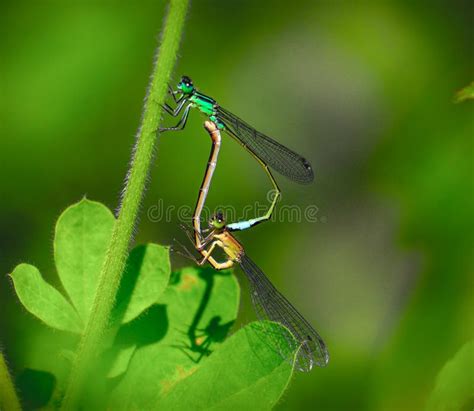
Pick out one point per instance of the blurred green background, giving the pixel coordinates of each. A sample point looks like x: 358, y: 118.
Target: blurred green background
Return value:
x: 364, y: 90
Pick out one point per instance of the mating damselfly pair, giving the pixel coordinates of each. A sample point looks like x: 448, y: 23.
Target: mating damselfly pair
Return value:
x: 268, y: 302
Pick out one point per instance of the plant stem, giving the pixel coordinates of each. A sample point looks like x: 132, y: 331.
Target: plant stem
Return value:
x: 8, y: 397
x: 90, y: 344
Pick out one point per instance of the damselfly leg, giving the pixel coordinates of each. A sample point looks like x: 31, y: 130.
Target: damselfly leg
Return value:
x: 181, y: 123
x: 174, y: 111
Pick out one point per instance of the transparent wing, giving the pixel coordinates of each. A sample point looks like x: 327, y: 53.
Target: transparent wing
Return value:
x: 276, y: 155
x: 271, y: 305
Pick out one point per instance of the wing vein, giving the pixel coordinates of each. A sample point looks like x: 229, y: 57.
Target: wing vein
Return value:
x: 272, y: 153
x: 271, y: 305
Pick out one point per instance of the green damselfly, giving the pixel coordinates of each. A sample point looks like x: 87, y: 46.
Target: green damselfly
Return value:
x: 265, y: 150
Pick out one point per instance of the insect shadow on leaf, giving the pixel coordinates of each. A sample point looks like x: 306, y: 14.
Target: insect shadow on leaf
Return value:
x: 199, y: 339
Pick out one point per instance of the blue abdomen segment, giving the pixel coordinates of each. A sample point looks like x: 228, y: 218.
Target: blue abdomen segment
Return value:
x: 242, y: 225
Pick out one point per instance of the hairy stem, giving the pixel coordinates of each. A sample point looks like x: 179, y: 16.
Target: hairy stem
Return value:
x: 8, y: 397
x: 91, y: 342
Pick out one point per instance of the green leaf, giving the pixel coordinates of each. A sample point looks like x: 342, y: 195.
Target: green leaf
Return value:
x: 43, y: 300
x: 82, y: 235
x: 454, y: 388
x: 467, y: 93
x: 122, y: 361
x: 244, y: 373
x: 201, y: 306
x: 145, y: 278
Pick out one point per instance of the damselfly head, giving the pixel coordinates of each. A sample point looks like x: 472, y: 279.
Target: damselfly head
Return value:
x: 186, y: 85
x: 217, y: 221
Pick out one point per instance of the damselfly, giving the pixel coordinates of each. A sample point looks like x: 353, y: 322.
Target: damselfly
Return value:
x: 265, y: 150
x: 268, y: 302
